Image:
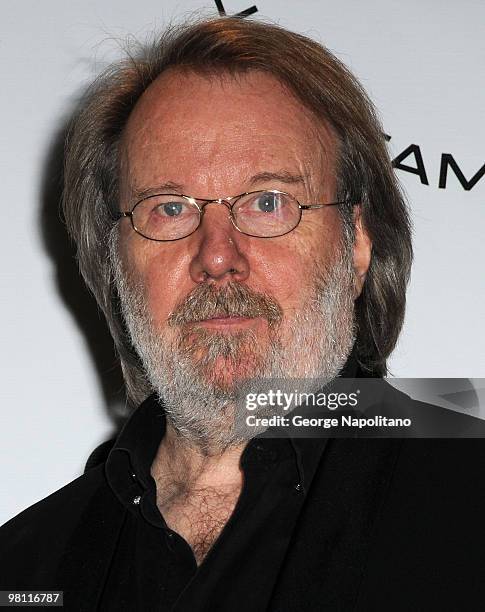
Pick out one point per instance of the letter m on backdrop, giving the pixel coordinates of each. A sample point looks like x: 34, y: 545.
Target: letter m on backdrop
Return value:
x: 448, y: 160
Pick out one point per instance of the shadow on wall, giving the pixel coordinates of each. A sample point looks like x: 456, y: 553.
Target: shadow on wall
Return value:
x: 72, y: 290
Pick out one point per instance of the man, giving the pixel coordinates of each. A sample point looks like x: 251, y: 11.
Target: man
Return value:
x: 237, y: 217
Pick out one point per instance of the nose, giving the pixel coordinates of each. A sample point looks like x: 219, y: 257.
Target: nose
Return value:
x: 219, y: 248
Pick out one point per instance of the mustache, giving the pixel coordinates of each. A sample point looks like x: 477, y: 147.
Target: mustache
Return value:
x: 207, y: 301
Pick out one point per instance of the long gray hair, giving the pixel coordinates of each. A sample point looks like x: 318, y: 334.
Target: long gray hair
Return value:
x: 323, y: 85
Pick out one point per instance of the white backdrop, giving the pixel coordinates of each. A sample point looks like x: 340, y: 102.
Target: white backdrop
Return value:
x: 422, y: 63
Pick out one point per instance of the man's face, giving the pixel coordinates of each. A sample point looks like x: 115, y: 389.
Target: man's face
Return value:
x: 216, y: 137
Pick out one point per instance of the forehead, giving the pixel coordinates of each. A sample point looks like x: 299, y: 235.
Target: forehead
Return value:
x: 214, y: 132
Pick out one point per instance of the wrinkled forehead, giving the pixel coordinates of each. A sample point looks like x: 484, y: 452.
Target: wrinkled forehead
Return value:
x: 193, y: 125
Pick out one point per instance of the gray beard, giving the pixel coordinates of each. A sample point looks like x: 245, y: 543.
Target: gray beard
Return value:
x: 199, y: 399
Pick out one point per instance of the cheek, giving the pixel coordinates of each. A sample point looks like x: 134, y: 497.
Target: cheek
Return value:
x: 163, y: 273
x: 168, y: 282
x: 283, y: 273
x: 284, y: 279
x: 290, y: 264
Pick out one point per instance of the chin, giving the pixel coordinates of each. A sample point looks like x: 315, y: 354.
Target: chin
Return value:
x: 226, y: 375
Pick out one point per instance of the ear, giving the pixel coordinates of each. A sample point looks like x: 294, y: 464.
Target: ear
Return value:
x: 362, y: 251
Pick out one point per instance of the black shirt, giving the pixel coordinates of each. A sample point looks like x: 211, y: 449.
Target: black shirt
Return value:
x: 154, y: 567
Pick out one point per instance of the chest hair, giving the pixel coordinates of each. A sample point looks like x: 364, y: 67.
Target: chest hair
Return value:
x: 198, y: 515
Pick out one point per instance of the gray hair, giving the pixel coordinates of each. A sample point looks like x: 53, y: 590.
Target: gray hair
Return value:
x: 323, y: 85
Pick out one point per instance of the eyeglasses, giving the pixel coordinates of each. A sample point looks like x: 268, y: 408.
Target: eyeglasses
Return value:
x: 262, y: 214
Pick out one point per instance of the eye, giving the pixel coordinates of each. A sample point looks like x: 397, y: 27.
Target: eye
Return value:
x: 170, y: 209
x: 267, y: 202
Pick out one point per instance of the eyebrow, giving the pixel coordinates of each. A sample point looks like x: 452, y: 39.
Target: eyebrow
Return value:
x: 282, y: 176
x: 167, y: 187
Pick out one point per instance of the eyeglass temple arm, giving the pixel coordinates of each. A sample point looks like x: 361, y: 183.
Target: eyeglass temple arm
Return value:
x: 119, y: 214
x: 311, y: 206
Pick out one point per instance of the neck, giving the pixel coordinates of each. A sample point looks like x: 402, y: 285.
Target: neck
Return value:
x: 179, y: 461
